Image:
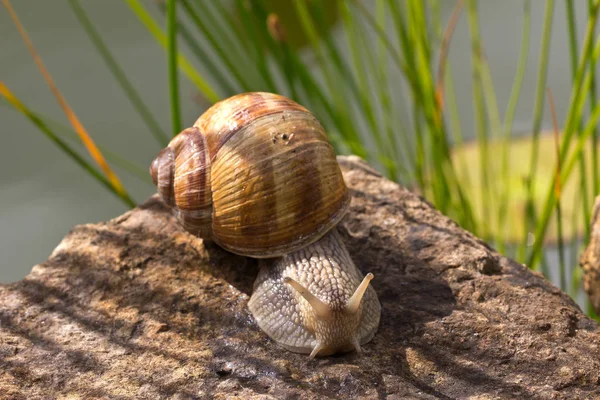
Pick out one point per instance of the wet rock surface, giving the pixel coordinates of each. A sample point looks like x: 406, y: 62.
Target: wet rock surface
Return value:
x: 137, y: 308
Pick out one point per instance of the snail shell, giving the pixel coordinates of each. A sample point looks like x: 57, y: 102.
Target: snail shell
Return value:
x: 256, y: 174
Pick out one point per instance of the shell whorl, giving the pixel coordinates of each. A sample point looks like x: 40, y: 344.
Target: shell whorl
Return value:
x: 181, y: 172
x: 162, y: 171
x: 275, y: 185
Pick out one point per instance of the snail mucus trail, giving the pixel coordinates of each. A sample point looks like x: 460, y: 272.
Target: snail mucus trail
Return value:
x: 257, y: 175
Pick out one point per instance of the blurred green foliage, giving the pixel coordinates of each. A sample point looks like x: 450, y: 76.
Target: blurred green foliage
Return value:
x: 375, y: 74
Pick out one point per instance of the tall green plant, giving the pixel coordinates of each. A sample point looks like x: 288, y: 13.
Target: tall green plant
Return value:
x: 368, y: 71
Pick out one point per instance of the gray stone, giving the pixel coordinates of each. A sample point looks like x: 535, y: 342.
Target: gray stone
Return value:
x: 137, y: 308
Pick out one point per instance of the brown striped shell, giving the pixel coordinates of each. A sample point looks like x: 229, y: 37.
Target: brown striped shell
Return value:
x: 256, y: 174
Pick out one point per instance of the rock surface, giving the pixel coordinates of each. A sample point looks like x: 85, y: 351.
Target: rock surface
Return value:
x: 137, y: 308
x: 590, y: 261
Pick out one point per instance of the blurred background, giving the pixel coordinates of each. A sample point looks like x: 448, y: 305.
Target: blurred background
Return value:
x: 475, y: 138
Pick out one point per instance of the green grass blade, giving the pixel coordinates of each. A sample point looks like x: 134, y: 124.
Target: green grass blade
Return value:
x: 172, y: 66
x: 262, y: 42
x: 445, y: 93
x: 309, y: 82
x: 219, y: 48
x: 509, y: 116
x: 453, y: 111
x: 393, y: 115
x: 64, y: 105
x: 481, y: 127
x: 572, y: 35
x: 383, y: 37
x: 158, y: 34
x: 438, y: 145
x: 530, y: 217
x: 120, y: 76
x: 425, y: 109
x: 224, y: 87
x: 593, y: 101
x: 69, y: 134
x: 282, y: 54
x: 358, y: 89
x: 445, y: 190
x: 589, y: 55
x: 494, y: 127
x: 363, y: 86
x: 414, y: 164
x: 550, y: 201
x: 573, y: 60
x: 575, y: 251
x: 406, y: 63
x: 68, y: 150
x: 561, y: 249
x: 558, y: 192
x: 299, y: 76
x: 336, y: 90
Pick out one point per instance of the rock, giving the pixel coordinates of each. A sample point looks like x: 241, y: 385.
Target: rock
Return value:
x: 590, y: 261
x: 137, y: 308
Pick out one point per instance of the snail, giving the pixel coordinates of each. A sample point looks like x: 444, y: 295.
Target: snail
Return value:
x: 257, y: 175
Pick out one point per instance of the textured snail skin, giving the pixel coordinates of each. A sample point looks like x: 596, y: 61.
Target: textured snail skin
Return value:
x: 326, y: 270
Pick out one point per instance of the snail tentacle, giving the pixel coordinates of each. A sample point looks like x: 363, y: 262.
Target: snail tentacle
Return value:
x: 356, y: 345
x: 353, y: 303
x: 316, y: 350
x: 321, y: 309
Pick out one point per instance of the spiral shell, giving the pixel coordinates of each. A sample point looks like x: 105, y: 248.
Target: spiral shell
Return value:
x: 256, y: 174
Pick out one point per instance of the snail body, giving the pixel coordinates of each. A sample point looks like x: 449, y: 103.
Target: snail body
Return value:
x: 309, y: 301
x: 257, y: 175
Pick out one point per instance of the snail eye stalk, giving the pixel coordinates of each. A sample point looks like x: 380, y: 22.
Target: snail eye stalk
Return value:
x: 321, y: 309
x: 354, y: 301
